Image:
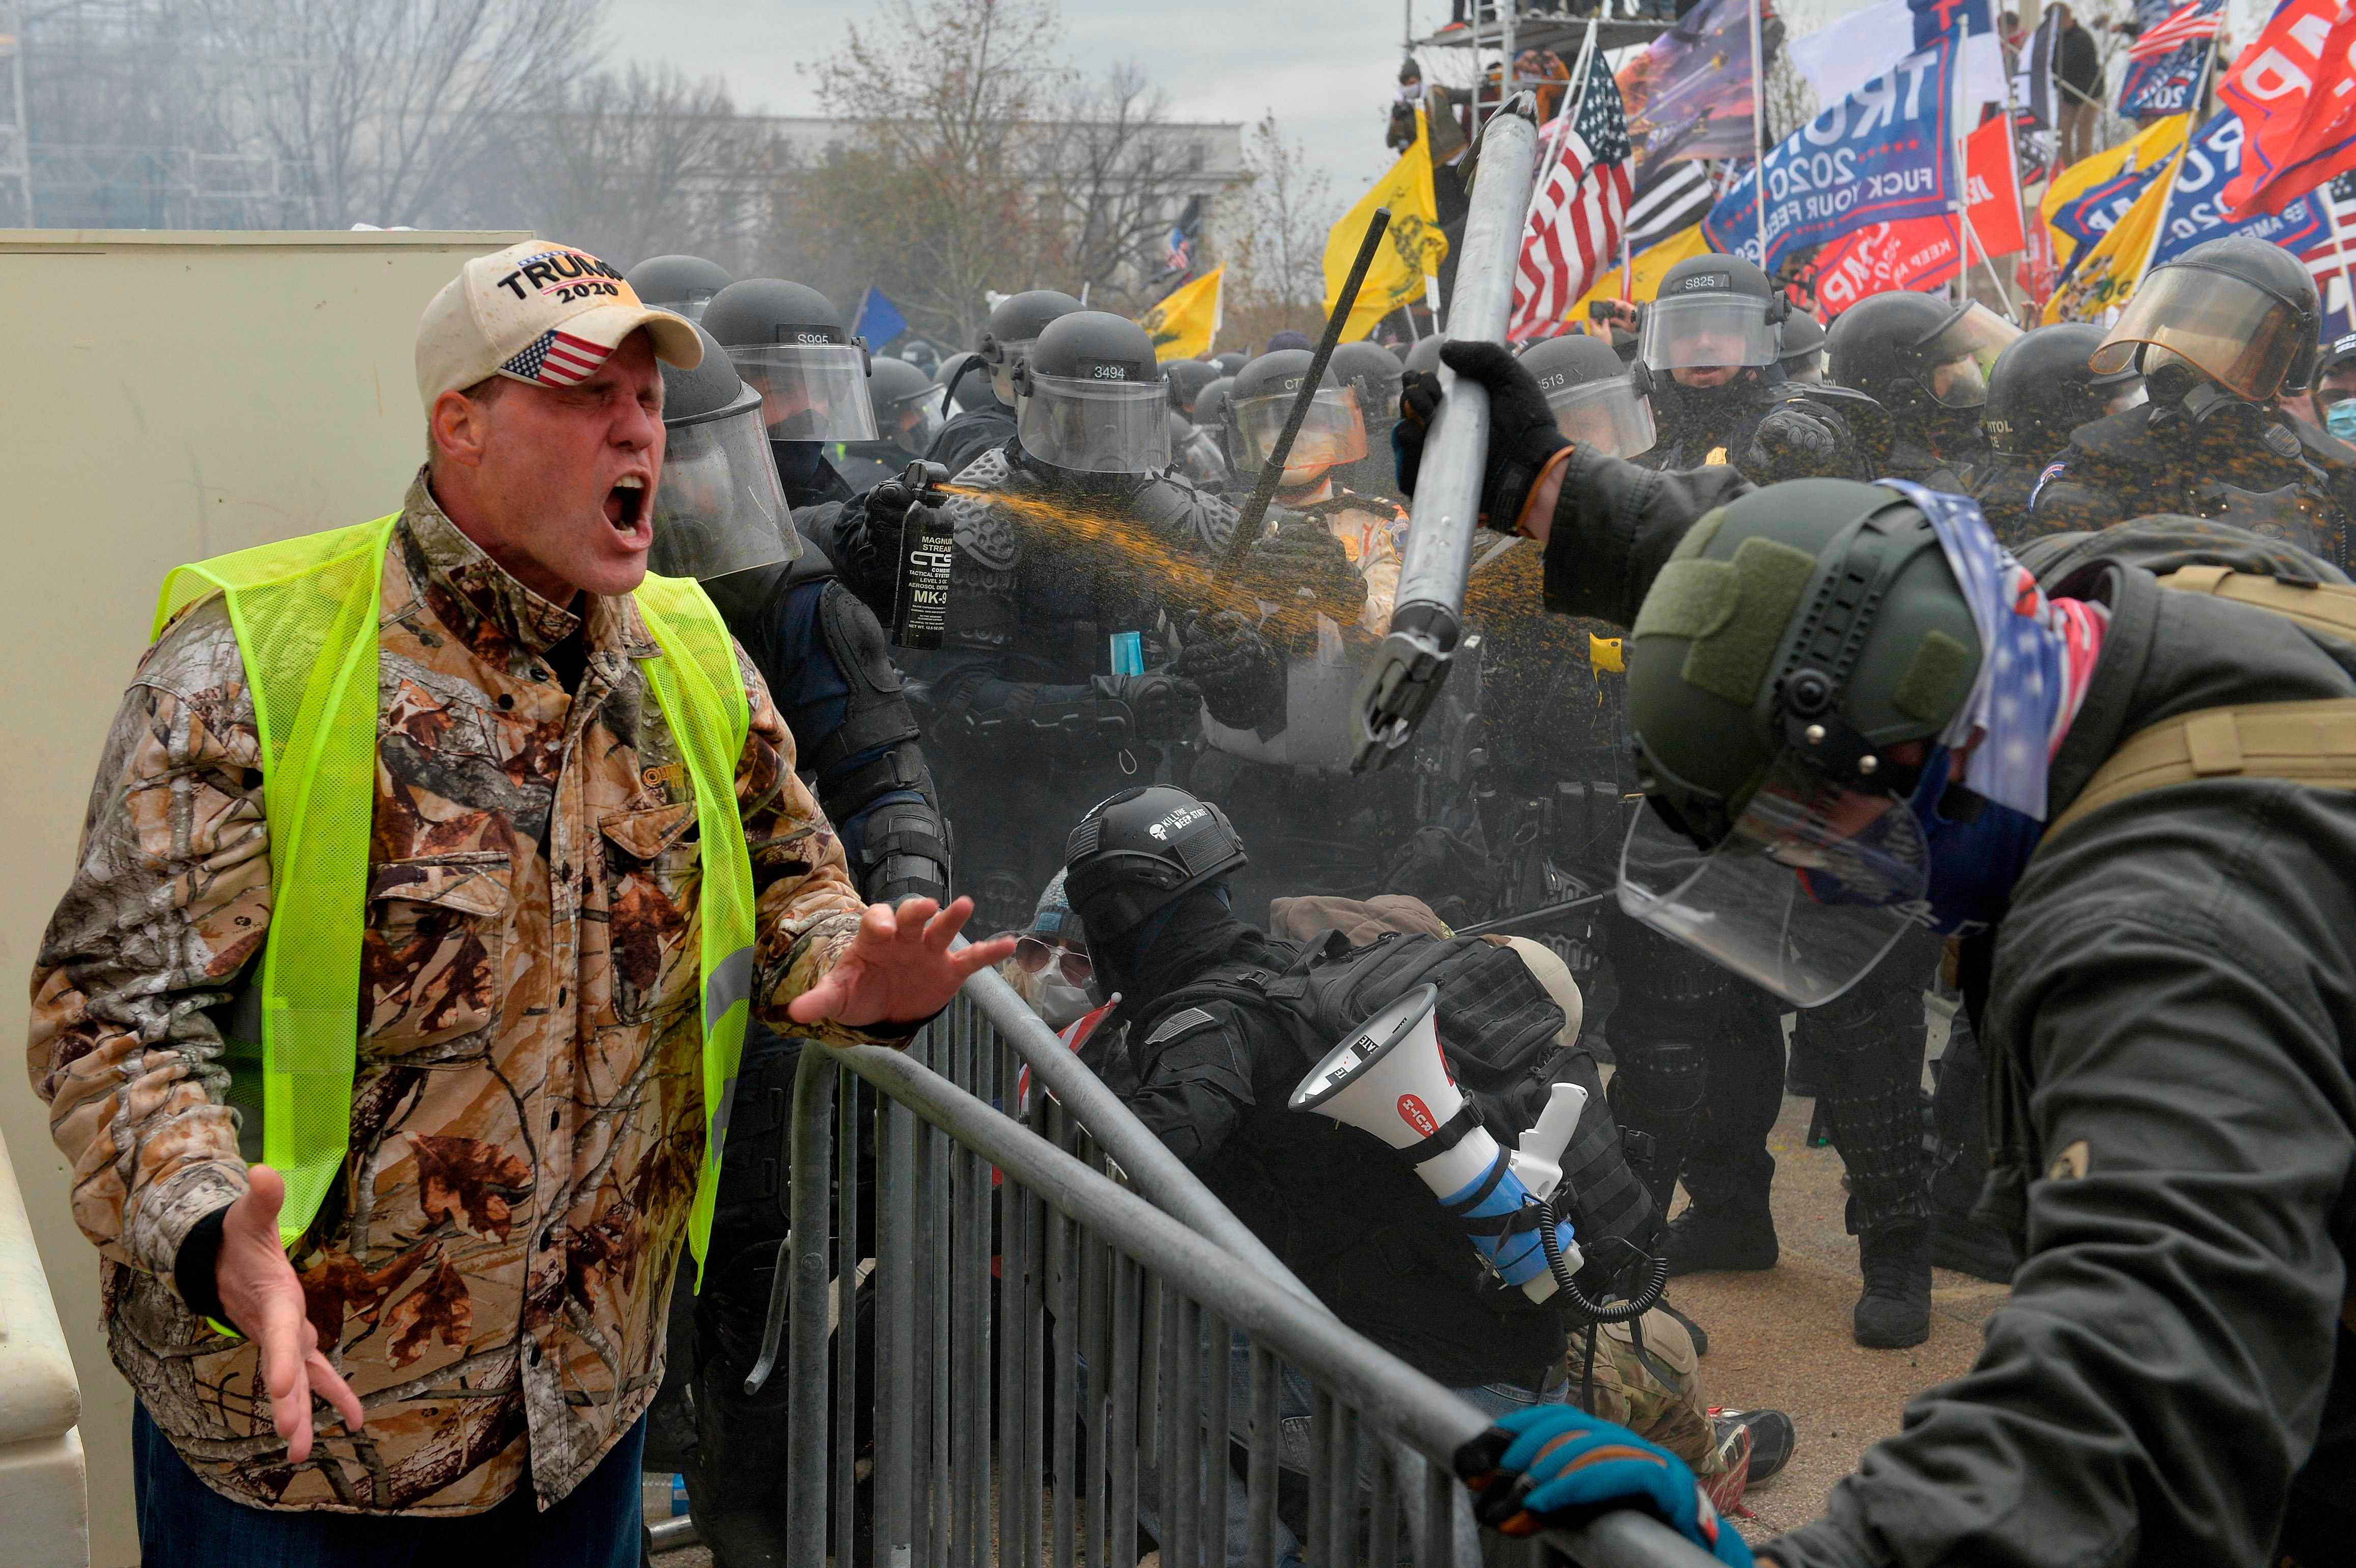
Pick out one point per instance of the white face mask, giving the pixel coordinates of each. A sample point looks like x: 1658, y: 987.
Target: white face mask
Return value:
x: 1059, y: 1001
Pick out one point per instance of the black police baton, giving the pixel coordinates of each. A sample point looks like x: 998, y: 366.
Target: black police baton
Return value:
x: 1545, y: 914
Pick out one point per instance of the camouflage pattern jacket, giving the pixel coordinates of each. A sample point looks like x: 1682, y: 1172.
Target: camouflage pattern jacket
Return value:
x: 492, y: 1269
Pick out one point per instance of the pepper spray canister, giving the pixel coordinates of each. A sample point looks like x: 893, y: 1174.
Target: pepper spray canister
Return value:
x: 920, y: 601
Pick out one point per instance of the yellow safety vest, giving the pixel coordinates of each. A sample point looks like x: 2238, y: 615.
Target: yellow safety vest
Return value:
x: 305, y: 612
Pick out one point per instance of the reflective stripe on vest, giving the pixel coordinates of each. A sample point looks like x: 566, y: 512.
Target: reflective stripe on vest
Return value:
x: 304, y: 613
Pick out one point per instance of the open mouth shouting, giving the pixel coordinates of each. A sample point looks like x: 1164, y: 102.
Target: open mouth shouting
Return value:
x: 627, y: 509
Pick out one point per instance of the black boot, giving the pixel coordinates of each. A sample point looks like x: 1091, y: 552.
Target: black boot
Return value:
x: 1722, y: 1237
x: 1964, y: 1244
x: 1895, y: 1310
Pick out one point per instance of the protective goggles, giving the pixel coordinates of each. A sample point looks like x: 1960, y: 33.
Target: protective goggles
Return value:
x: 1032, y: 955
x: 1814, y: 885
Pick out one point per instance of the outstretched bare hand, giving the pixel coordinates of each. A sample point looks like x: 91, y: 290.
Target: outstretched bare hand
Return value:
x: 264, y: 1298
x: 899, y: 968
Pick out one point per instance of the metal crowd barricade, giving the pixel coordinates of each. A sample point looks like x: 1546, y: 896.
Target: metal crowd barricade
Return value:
x: 1016, y: 1341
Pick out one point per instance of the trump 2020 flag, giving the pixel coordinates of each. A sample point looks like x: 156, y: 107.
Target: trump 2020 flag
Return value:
x: 1880, y: 156
x: 2165, y: 65
x: 1572, y: 232
x: 2196, y: 208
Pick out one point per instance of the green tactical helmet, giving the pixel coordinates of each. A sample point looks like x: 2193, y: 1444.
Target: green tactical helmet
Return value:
x: 1817, y: 618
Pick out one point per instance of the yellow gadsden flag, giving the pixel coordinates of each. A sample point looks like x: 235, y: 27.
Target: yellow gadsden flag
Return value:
x: 2110, y: 270
x: 1649, y: 267
x: 1187, y: 323
x: 2155, y: 144
x: 1412, y: 247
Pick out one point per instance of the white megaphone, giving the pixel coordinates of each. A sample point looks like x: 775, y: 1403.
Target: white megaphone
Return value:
x: 1390, y: 1078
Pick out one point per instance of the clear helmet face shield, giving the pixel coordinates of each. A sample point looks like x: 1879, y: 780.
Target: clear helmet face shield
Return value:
x: 1094, y: 427
x: 718, y: 506
x: 1810, y: 890
x: 809, y: 391
x: 1707, y: 330
x: 1959, y: 356
x: 1332, y: 432
x: 1608, y: 415
x: 2231, y: 330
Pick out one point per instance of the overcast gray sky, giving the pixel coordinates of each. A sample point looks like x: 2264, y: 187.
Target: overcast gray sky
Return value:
x: 1326, y: 67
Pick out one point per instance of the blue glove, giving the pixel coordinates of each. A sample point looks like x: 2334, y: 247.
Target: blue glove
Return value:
x: 1554, y: 1464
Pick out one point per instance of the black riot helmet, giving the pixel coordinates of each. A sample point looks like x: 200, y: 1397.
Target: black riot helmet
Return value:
x: 2042, y: 389
x: 1015, y: 323
x: 1712, y: 311
x: 1211, y: 412
x: 1375, y: 374
x: 1230, y: 362
x: 1800, y: 348
x: 907, y: 406
x: 1423, y: 356
x: 1144, y: 849
x: 788, y: 339
x: 2241, y: 311
x: 718, y: 505
x: 1186, y: 379
x: 1261, y: 400
x: 684, y: 283
x: 1596, y: 400
x: 1089, y: 397
x: 1913, y: 353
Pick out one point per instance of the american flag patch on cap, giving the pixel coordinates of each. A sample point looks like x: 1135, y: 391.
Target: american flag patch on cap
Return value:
x: 556, y: 359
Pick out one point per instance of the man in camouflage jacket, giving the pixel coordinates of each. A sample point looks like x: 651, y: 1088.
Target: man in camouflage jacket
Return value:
x: 486, y: 1281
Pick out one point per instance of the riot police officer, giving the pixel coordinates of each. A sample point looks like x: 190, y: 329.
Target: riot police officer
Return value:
x: 1186, y: 379
x: 787, y: 340
x: 1054, y: 680
x: 2219, y: 333
x: 1374, y: 374
x: 1353, y: 570
x: 2039, y: 390
x: 1210, y: 415
x: 720, y: 516
x: 907, y: 407
x: 1800, y: 348
x: 1712, y: 340
x: 684, y: 283
x: 1926, y: 361
x: 2126, y: 796
x: 1015, y: 323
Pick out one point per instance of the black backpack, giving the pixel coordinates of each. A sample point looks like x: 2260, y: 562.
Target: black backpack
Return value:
x: 1497, y: 1026
x: 1498, y: 1029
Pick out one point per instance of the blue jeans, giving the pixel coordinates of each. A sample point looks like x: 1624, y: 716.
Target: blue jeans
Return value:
x: 183, y: 1523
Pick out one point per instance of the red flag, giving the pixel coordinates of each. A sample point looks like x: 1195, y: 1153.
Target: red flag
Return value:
x: 1916, y: 253
x: 1995, y: 200
x: 2295, y: 91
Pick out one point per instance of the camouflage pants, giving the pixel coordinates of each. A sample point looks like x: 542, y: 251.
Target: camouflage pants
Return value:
x: 1654, y: 1392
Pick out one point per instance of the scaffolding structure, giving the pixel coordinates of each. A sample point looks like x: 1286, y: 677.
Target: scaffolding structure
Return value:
x: 107, y: 127
x: 1506, y: 27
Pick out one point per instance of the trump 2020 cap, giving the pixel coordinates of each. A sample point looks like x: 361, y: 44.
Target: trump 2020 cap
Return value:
x: 541, y: 313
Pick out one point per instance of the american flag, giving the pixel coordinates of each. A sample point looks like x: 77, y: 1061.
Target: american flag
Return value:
x: 557, y: 360
x: 2196, y: 21
x: 1572, y: 232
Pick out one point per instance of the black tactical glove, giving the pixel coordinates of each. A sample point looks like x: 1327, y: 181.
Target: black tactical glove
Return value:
x: 888, y: 505
x: 1303, y: 557
x: 1801, y: 441
x: 1241, y: 677
x: 1521, y: 430
x: 1162, y: 706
